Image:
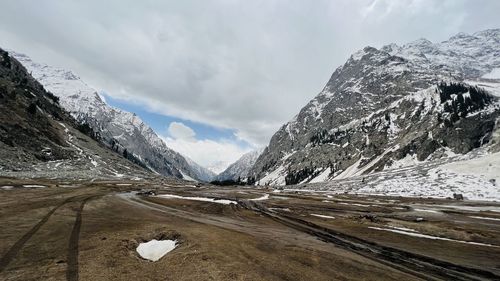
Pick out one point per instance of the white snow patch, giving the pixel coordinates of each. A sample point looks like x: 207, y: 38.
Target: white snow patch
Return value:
x: 280, y: 209
x: 358, y: 55
x: 323, y: 176
x: 350, y: 171
x: 7, y: 187
x: 356, y: 204
x: 485, y: 208
x: 494, y: 74
x: 403, y: 228
x: 487, y: 167
x: 205, y: 199
x: 322, y: 216
x: 427, y: 211
x: 484, y: 218
x: 34, y: 185
x: 276, y: 177
x: 408, y: 160
x: 263, y: 197
x: 155, y: 250
x: 420, y: 235
x: 186, y: 177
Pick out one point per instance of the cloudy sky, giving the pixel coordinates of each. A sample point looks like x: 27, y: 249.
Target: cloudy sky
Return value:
x: 217, y: 78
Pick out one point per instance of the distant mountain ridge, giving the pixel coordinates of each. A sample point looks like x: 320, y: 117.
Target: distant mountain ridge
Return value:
x: 238, y: 171
x: 120, y: 130
x: 421, y: 101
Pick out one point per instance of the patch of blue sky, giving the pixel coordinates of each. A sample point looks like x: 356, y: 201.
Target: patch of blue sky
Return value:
x: 160, y: 122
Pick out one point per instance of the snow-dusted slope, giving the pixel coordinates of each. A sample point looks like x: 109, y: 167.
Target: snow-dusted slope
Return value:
x: 240, y: 168
x: 415, y: 102
x: 39, y: 139
x: 201, y: 172
x: 118, y: 129
x: 474, y: 175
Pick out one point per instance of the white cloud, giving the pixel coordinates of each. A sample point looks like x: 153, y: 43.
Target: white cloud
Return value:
x: 208, y: 153
x: 178, y: 130
x: 245, y: 65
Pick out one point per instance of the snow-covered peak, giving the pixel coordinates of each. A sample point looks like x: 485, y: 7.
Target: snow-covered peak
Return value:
x: 472, y: 55
x: 377, y: 102
x: 118, y: 129
x: 240, y: 168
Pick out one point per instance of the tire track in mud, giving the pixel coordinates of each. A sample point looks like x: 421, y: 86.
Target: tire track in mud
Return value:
x: 421, y: 266
x: 14, y: 250
x: 74, y: 239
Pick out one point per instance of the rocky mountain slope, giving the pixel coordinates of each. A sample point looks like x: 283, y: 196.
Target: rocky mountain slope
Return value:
x: 120, y: 130
x: 239, y: 170
x: 416, y: 102
x: 38, y: 138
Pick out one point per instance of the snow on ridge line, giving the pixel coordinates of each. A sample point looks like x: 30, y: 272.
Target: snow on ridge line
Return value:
x: 204, y: 199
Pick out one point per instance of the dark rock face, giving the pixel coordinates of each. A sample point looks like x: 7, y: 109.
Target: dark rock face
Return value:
x: 418, y: 100
x: 27, y: 116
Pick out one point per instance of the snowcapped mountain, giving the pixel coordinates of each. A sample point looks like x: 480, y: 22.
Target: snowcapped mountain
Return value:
x: 120, y: 130
x: 201, y: 172
x: 240, y: 168
x: 38, y: 138
x: 383, y: 107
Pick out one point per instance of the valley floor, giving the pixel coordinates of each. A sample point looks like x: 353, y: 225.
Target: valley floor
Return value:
x: 90, y: 231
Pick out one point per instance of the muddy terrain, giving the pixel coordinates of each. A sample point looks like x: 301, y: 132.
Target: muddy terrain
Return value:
x: 55, y: 230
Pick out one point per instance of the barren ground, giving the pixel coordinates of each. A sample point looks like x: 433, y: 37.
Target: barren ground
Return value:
x: 90, y: 230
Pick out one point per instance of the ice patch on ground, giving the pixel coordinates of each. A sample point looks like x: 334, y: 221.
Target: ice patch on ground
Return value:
x: 322, y: 216
x: 204, y: 199
x: 420, y: 235
x: 155, y: 249
x: 484, y: 218
x: 403, y: 228
x: 427, y: 211
x: 263, y: 197
x: 280, y: 209
x: 34, y: 185
x: 487, y: 167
